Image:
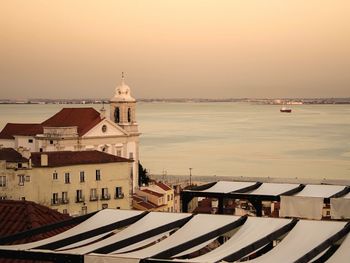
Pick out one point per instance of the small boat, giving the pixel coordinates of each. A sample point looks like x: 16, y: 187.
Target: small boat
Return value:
x: 285, y: 109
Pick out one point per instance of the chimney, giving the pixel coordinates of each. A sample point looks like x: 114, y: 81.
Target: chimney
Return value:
x: 44, y: 158
x: 25, y: 152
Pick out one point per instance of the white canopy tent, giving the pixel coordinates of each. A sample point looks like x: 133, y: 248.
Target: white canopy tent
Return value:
x: 342, y: 255
x: 198, y: 226
x: 192, y: 232
x: 227, y: 187
x: 340, y: 207
x: 308, y: 203
x: 273, y: 189
x: 304, y: 237
x: 150, y: 221
x: 103, y: 218
x: 253, y: 229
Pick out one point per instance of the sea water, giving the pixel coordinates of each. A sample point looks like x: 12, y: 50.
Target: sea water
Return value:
x: 231, y: 139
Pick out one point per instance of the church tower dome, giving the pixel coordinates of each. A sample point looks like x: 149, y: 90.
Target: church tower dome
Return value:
x: 122, y: 92
x: 123, y: 108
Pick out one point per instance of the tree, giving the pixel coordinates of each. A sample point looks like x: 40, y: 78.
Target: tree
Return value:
x: 143, y: 176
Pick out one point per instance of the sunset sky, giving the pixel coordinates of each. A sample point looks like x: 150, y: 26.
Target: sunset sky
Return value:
x: 177, y: 48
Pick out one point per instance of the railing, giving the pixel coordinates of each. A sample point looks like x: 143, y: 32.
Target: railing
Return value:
x: 65, y: 200
x: 79, y: 199
x: 59, y: 201
x: 55, y: 201
x: 105, y: 197
x: 93, y: 197
x: 119, y: 196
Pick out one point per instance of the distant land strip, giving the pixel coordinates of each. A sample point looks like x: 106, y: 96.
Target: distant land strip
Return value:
x: 267, y: 101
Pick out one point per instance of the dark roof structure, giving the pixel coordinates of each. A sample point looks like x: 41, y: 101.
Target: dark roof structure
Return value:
x: 163, y: 186
x: 65, y: 158
x: 12, y: 156
x: 25, y: 129
x: 173, y: 237
x: 83, y: 118
x: 19, y: 216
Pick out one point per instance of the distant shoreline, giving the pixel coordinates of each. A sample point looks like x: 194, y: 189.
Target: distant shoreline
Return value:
x: 276, y: 101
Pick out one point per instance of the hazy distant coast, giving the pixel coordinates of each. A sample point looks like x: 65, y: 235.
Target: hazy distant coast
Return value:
x: 275, y: 101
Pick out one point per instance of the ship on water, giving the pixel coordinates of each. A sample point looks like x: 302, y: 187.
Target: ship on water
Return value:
x: 285, y: 109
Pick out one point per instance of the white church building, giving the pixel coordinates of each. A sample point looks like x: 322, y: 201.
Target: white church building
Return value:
x: 79, y: 129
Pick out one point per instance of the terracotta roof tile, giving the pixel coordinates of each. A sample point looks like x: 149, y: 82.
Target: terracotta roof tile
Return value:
x: 163, y: 186
x: 152, y: 192
x: 11, y: 155
x: 25, y: 129
x: 65, y: 158
x: 19, y: 216
x: 83, y: 118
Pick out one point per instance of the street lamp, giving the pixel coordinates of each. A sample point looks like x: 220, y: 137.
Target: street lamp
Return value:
x: 190, y: 175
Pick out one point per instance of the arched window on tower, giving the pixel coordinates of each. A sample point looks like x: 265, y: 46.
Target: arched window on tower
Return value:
x: 129, y: 115
x: 116, y: 115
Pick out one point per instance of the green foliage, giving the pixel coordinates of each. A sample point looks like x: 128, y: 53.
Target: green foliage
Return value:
x: 143, y: 176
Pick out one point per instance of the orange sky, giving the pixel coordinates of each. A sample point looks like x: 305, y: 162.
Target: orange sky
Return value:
x: 182, y: 48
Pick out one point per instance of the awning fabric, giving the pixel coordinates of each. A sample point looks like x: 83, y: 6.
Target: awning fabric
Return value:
x: 325, y: 191
x: 301, y: 207
x: 252, y: 230
x: 147, y: 223
x: 273, y: 189
x: 304, y: 237
x: 227, y: 187
x: 340, y: 208
x: 100, y: 219
x: 342, y: 255
x: 199, y: 225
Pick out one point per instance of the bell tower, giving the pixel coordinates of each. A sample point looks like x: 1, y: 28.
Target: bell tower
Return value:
x: 123, y: 108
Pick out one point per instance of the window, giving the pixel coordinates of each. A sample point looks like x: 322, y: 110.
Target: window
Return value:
x: 168, y: 198
x: 66, y: 178
x: 131, y: 156
x: 19, y: 165
x: 119, y: 153
x: 51, y: 141
x: 98, y: 175
x: 93, y: 194
x: 54, y: 176
x: 104, y: 128
x: 41, y: 150
x: 30, y: 140
x: 21, y: 179
x: 2, y: 181
x: 65, y: 197
x: 27, y: 178
x: 2, y: 197
x: 65, y: 211
x: 54, y: 200
x: 105, y: 195
x: 23, y: 198
x: 104, y: 206
x: 129, y: 115
x: 79, y: 197
x: 82, y: 176
x: 119, y: 192
x: 116, y: 115
x: 172, y: 196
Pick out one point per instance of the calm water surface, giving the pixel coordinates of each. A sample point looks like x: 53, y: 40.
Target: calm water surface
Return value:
x: 238, y: 139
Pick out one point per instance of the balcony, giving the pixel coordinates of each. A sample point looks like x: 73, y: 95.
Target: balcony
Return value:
x: 105, y: 197
x: 55, y: 201
x: 119, y: 196
x: 93, y: 197
x: 79, y: 199
x: 65, y: 201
